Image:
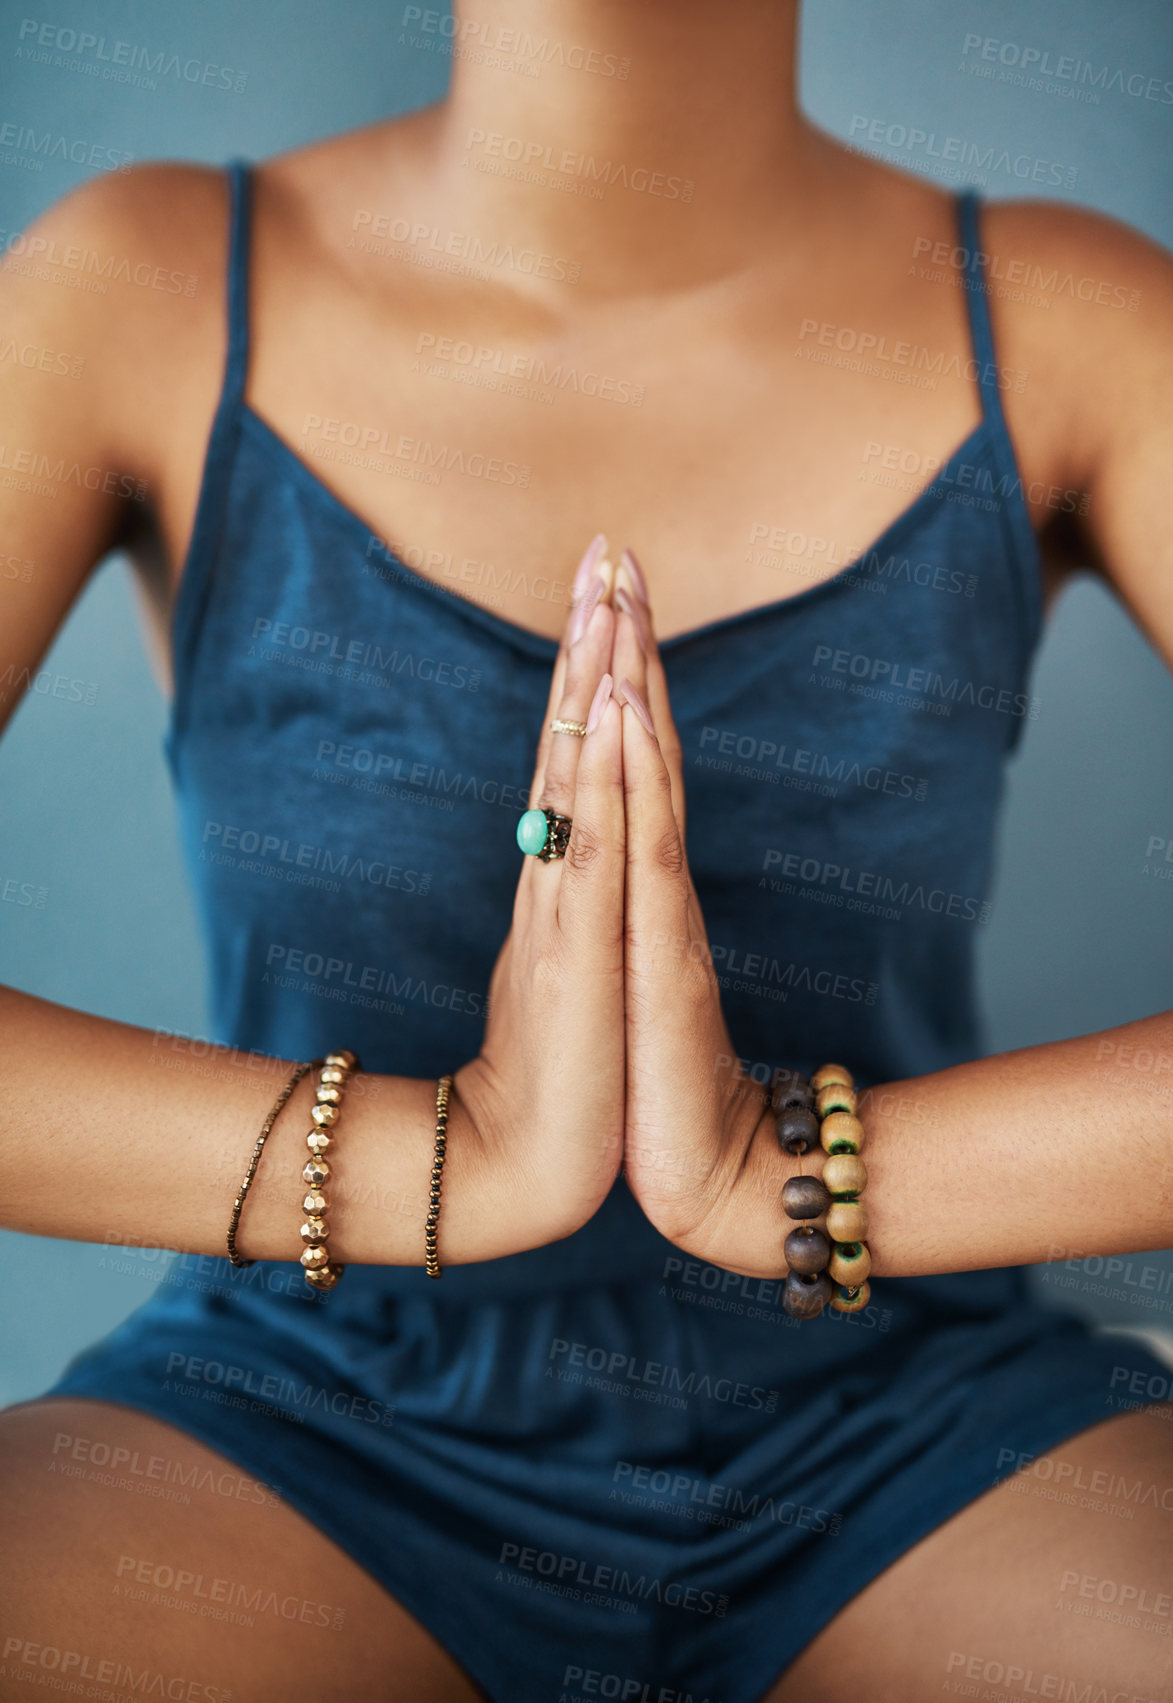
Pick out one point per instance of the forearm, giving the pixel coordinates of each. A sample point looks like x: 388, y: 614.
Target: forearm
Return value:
x: 1030, y: 1155
x: 117, y: 1134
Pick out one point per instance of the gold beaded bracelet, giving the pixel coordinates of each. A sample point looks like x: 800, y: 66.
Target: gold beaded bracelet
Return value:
x: 431, y: 1255
x: 320, y: 1271
x: 258, y: 1149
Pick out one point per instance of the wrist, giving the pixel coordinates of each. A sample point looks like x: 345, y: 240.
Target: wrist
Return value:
x: 379, y: 1159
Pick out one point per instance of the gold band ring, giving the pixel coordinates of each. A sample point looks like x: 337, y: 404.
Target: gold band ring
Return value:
x: 577, y: 728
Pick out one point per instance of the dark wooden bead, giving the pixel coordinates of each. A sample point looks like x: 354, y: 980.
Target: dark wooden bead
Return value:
x: 804, y: 1197
x: 805, y: 1297
x: 798, y: 1130
x: 790, y: 1089
x: 807, y: 1251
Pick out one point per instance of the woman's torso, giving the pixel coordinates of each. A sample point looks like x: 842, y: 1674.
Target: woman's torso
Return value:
x: 352, y: 742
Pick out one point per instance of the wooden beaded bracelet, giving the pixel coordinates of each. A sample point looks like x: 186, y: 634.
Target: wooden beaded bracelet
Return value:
x: 321, y: 1272
x: 832, y: 1265
x: 844, y: 1177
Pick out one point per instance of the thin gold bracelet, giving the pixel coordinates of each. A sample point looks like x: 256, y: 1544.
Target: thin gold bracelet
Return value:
x: 431, y: 1255
x: 258, y: 1148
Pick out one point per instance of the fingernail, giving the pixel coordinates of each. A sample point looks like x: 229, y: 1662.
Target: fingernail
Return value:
x: 595, y: 551
x: 639, y: 620
x: 584, y: 610
x: 641, y: 709
x: 628, y: 561
x: 599, y: 703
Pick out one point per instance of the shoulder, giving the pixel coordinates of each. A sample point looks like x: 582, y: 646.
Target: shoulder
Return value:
x: 1089, y: 319
x: 149, y: 195
x: 1081, y: 310
x: 125, y: 273
x: 116, y: 229
x: 1075, y: 256
x: 1083, y: 304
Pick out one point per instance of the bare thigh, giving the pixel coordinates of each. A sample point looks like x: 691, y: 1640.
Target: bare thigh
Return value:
x: 231, y: 1592
x: 1020, y: 1585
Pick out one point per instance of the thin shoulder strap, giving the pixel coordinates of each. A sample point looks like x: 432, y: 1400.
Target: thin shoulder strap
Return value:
x: 978, y: 301
x: 1026, y: 560
x: 194, y: 584
x: 240, y: 192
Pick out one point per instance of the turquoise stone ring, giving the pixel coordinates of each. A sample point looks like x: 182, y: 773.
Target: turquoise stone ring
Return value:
x: 531, y: 831
x: 544, y: 834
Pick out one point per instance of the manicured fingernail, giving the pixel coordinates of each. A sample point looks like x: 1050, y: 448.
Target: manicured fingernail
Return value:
x: 595, y: 551
x: 583, y: 611
x: 639, y: 620
x: 641, y: 709
x: 628, y: 561
x: 599, y: 703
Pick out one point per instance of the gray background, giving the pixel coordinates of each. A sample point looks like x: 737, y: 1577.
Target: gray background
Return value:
x: 1080, y: 937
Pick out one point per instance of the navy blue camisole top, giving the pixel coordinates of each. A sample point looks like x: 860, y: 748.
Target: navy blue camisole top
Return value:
x: 352, y: 743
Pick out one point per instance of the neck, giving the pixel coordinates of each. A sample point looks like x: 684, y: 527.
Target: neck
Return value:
x: 649, y: 144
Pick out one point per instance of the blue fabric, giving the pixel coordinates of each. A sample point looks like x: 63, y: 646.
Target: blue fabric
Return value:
x: 600, y: 1455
